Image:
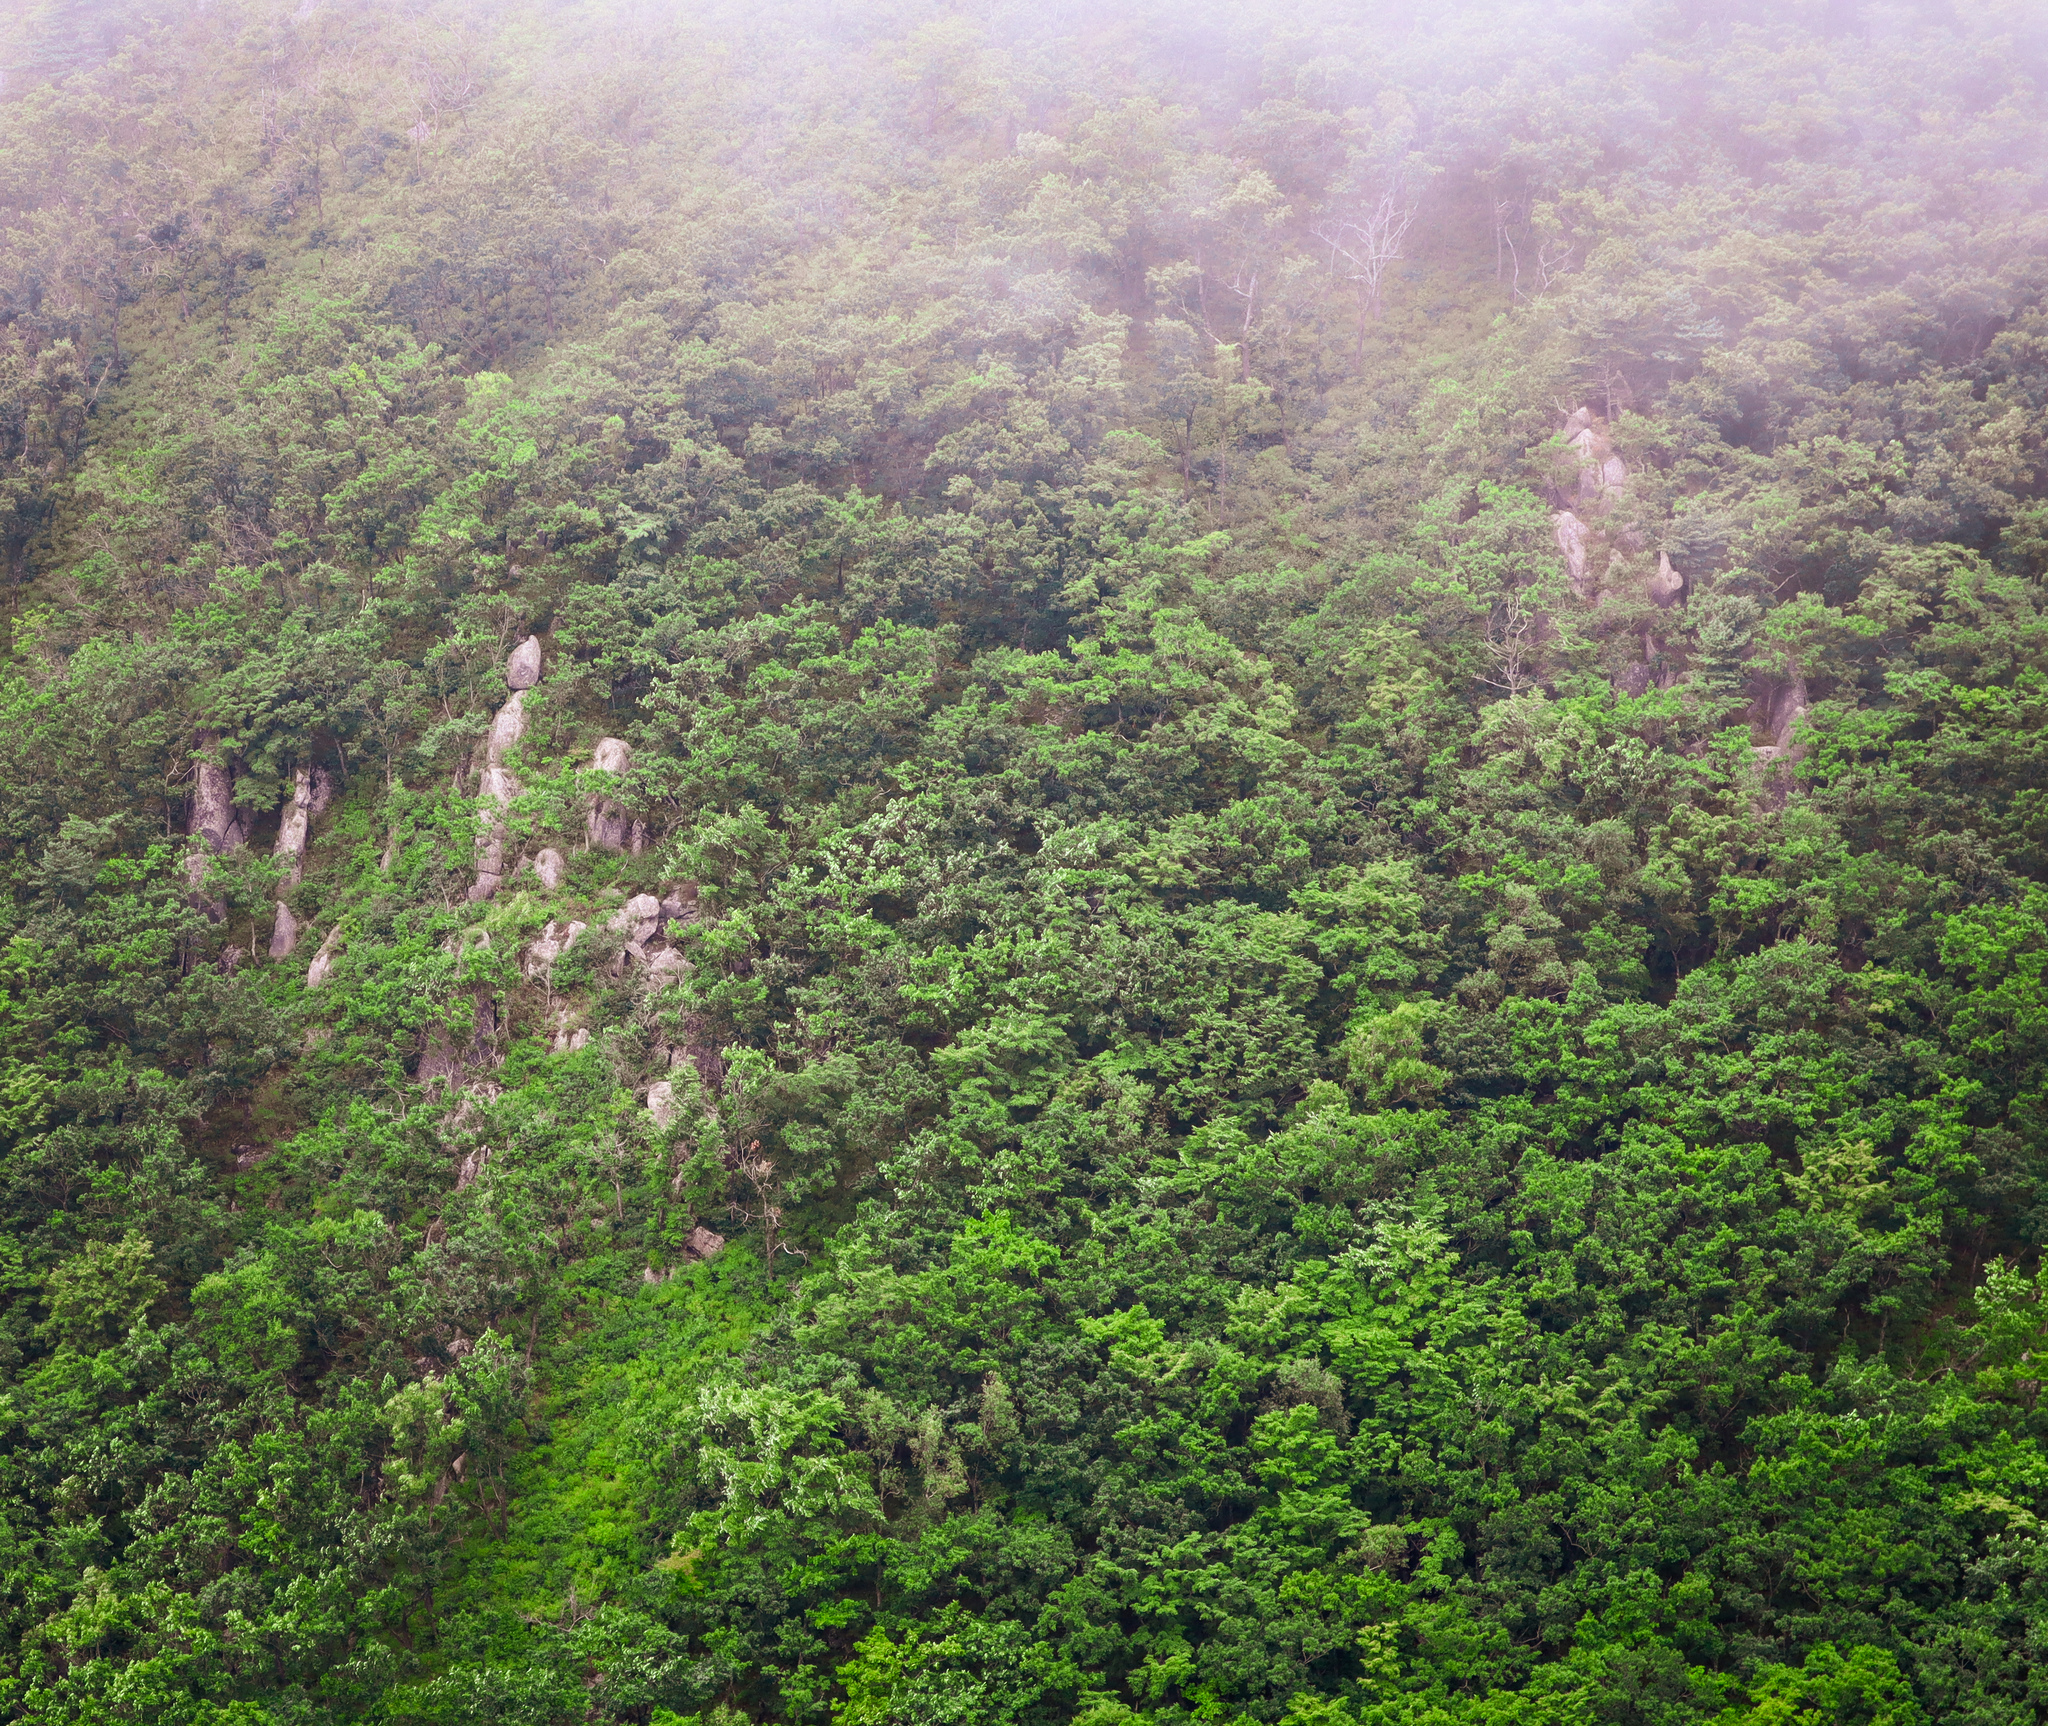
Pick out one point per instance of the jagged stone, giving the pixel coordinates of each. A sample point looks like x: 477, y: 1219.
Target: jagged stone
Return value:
x: 666, y: 967
x: 323, y: 961
x: 552, y: 868
x: 1667, y: 586
x: 641, y: 915
x: 636, y: 838
x: 284, y: 933
x: 703, y: 1243
x: 541, y: 956
x: 522, y: 670
x: 312, y: 791
x: 507, y: 728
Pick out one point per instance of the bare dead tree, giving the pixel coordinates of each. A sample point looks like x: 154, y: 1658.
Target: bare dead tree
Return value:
x: 1512, y: 634
x: 1369, y: 245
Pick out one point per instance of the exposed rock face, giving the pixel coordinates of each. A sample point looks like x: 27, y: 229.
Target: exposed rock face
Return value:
x: 284, y: 934
x: 522, y: 670
x: 214, y: 817
x: 498, y: 790
x: 552, y: 868
x: 1776, y: 708
x: 449, y: 1056
x: 1571, y: 541
x: 213, y: 808
x: 609, y: 828
x: 666, y: 967
x: 506, y: 730
x: 661, y: 1103
x: 702, y: 1243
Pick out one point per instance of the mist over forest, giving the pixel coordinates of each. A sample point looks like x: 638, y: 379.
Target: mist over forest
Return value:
x: 1096, y: 863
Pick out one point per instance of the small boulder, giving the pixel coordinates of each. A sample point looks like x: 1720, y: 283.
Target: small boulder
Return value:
x: 661, y: 1103
x: 703, y: 1243
x: 522, y: 670
x: 640, y: 916
x: 666, y: 967
x: 284, y: 933
x: 552, y: 868
x: 1667, y: 586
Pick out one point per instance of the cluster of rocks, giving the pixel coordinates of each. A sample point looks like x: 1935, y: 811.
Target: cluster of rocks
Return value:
x: 1596, y: 482
x: 608, y: 828
x: 221, y: 826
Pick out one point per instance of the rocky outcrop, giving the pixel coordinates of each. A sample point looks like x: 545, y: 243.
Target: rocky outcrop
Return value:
x: 666, y: 967
x: 493, y: 830
x: 609, y: 828
x: 522, y: 670
x: 639, y: 918
x: 499, y: 788
x: 1777, y: 705
x: 448, y: 1055
x: 1602, y: 474
x: 1571, y: 542
x: 552, y: 868
x: 312, y: 791
x: 1667, y: 586
x: 507, y: 729
x: 323, y: 961
x: 661, y: 1103
x: 703, y: 1243
x: 214, y: 819
x: 553, y: 943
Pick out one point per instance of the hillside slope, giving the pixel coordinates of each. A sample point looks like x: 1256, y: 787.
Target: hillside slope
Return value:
x: 889, y: 865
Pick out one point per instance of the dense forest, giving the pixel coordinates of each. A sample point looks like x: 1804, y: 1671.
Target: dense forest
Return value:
x: 1149, y: 864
